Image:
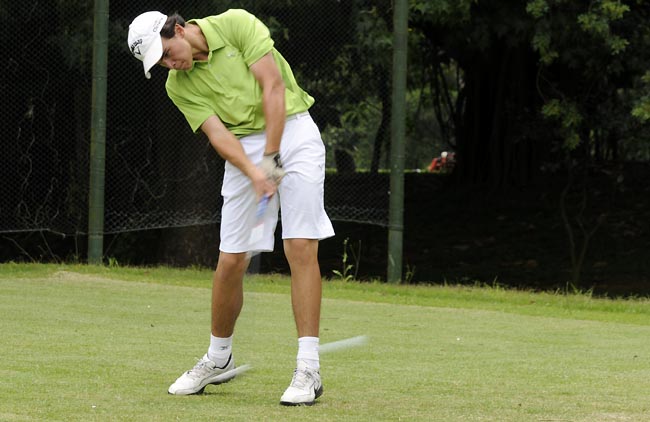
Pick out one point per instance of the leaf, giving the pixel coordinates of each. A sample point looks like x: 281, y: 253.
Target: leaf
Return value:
x: 537, y: 8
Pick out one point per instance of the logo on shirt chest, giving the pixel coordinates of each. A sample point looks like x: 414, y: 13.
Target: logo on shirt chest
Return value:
x: 231, y: 52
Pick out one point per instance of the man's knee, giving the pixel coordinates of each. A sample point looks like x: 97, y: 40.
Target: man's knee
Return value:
x: 301, y: 251
x: 232, y: 262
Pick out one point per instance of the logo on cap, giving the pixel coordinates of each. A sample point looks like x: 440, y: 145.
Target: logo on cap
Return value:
x: 135, y: 47
x: 157, y: 24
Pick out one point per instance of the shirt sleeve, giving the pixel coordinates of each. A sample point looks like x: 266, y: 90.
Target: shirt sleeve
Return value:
x: 195, y: 112
x: 247, y: 33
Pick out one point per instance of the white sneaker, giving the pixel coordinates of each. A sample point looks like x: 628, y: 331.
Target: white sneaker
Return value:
x: 204, y: 372
x: 305, y: 387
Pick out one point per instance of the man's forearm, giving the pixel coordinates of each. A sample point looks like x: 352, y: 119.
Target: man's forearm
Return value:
x: 227, y: 145
x: 274, y: 115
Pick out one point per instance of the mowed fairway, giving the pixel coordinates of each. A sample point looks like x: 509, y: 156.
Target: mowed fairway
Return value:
x: 80, y: 347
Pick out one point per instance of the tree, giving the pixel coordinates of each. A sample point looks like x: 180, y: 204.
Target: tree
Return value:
x: 591, y: 59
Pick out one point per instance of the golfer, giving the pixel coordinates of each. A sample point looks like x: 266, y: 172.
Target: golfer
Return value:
x: 230, y: 82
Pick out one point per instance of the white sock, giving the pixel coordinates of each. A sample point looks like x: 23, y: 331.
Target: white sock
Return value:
x: 220, y: 350
x: 308, y: 351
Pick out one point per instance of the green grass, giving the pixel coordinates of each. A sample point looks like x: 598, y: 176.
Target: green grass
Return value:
x: 97, y: 343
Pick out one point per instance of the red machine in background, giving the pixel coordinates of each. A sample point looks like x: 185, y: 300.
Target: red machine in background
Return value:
x: 442, y: 164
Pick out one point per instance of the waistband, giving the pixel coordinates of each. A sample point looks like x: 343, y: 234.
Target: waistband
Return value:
x: 298, y: 115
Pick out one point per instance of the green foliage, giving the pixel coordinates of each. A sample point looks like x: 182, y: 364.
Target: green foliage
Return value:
x: 537, y: 8
x: 354, y: 133
x: 598, y: 21
x: 617, y: 44
x: 613, y: 9
x: 588, y: 52
x: 595, y: 21
x: 570, y: 119
x: 542, y: 44
x: 350, y: 85
x: 113, y: 263
x: 348, y: 272
x: 443, y: 12
x: 360, y: 78
x: 641, y: 109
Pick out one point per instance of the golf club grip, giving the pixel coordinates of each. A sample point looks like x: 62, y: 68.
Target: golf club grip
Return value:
x: 261, y: 207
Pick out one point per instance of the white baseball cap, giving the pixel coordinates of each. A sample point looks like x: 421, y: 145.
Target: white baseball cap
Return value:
x: 144, y: 39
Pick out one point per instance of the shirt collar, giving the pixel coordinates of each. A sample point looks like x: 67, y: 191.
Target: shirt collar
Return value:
x: 212, y: 37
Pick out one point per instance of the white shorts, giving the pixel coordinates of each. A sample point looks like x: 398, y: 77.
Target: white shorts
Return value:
x: 300, y: 195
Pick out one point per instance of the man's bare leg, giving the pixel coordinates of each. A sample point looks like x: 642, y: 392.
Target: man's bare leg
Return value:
x: 227, y: 301
x: 306, y: 292
x: 306, y: 288
x: 227, y: 292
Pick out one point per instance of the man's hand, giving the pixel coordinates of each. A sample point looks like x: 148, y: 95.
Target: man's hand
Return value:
x: 229, y: 147
x: 271, y: 165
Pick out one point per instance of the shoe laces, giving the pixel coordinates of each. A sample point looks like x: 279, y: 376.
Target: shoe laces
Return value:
x: 302, y: 378
x: 200, y: 369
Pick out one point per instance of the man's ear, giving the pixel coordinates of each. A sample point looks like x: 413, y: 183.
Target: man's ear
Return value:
x: 179, y: 30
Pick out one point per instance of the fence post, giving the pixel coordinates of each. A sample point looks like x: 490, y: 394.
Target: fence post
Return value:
x: 98, y: 134
x: 397, y: 133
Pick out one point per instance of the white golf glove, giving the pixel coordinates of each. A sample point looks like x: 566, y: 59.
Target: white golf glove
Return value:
x: 272, y: 166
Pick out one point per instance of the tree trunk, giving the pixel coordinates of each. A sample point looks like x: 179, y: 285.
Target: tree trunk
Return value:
x: 383, y: 133
x: 492, y: 147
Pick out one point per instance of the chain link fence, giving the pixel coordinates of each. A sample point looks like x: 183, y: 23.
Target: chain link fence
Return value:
x: 158, y: 173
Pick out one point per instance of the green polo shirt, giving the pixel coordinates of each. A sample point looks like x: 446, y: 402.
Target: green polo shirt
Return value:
x: 224, y: 85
